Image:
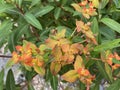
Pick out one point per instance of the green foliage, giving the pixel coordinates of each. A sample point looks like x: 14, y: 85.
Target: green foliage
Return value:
x: 111, y: 23
x: 10, y: 82
x: 30, y: 87
x: 32, y: 20
x: 108, y: 45
x: 115, y: 85
x: 2, y: 79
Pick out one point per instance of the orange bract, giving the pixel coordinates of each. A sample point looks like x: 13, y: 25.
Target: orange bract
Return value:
x: 87, y: 9
x: 57, y: 39
x: 110, y: 58
x: 30, y: 56
x: 83, y: 3
x: 15, y: 57
x: 85, y: 28
x: 78, y: 72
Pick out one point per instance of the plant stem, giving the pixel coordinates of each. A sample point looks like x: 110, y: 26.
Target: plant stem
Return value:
x: 73, y: 32
x: 34, y: 33
x: 4, y: 56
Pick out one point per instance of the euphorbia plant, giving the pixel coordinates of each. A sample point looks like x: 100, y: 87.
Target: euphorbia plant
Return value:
x: 73, y: 39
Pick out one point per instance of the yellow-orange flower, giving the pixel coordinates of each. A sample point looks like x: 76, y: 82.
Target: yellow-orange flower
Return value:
x: 79, y: 72
x: 85, y: 28
x: 110, y: 60
x: 86, y: 8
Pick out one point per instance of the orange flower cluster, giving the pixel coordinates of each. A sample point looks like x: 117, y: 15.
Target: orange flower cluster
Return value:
x: 30, y: 56
x: 85, y: 29
x: 85, y: 76
x: 63, y: 51
x: 112, y: 63
x: 79, y: 72
x: 86, y: 8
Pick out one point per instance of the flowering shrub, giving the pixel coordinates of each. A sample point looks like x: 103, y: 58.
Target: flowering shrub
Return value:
x: 75, y: 39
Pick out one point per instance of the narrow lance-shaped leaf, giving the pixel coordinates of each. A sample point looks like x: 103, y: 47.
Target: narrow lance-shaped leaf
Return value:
x: 2, y: 79
x: 10, y: 82
x: 30, y: 86
x: 19, y: 3
x: 31, y: 19
x: 115, y: 85
x: 112, y: 24
x: 44, y: 11
x: 11, y: 42
x: 57, y: 13
x: 109, y: 71
x: 5, y: 7
x: 103, y: 4
x: 34, y: 2
x: 108, y: 45
x: 54, y: 82
x: 102, y: 70
x: 5, y: 28
x: 20, y: 31
x: 95, y: 28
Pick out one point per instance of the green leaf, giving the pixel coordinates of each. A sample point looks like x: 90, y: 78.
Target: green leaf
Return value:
x: 20, y: 31
x: 2, y: 79
x: 95, y: 28
x: 115, y: 61
x: 11, y: 43
x: 39, y: 70
x: 64, y: 2
x: 5, y: 7
x: 44, y: 11
x: 30, y: 86
x: 19, y: 3
x: 108, y: 45
x: 103, y: 3
x: 5, y: 28
x: 27, y: 67
x: 70, y: 76
x: 29, y: 75
x: 2, y: 2
x: 109, y: 72
x: 34, y: 2
x: 103, y: 71
x: 30, y: 18
x: 107, y: 32
x: 54, y: 82
x: 115, y: 85
x: 57, y: 13
x: 68, y: 9
x: 95, y: 87
x: 112, y: 24
x: 10, y: 82
x: 117, y: 3
x: 81, y: 86
x: 15, y: 36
